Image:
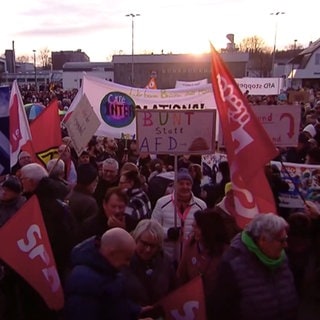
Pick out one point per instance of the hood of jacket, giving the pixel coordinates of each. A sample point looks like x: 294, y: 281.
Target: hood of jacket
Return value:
x: 87, y: 253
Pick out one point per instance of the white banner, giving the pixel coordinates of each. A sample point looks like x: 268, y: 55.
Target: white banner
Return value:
x: 260, y: 86
x: 187, y: 84
x: 115, y: 105
x: 255, y: 86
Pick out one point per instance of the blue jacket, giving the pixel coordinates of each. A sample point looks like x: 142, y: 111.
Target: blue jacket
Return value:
x: 94, y: 289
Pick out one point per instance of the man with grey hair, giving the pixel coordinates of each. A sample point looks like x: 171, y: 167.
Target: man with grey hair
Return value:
x: 254, y: 280
x: 58, y: 222
x: 36, y: 181
x: 108, y: 178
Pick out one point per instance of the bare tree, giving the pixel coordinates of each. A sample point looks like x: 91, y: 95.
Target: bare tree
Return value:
x: 294, y: 46
x: 253, y: 44
x: 260, y: 55
x: 23, y: 59
x: 44, y: 57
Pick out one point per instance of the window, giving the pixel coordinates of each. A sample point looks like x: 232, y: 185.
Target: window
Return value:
x: 317, y: 59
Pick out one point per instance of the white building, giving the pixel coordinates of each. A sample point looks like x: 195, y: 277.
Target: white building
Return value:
x: 73, y: 71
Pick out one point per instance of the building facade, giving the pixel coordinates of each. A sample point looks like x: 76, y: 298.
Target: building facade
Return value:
x: 169, y: 68
x: 59, y: 58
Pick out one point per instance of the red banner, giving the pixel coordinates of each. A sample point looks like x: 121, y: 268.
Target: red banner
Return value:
x: 46, y: 134
x: 26, y: 249
x: 248, y: 145
x: 18, y: 124
x: 185, y: 303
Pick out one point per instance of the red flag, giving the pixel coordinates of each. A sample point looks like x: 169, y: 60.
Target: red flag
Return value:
x: 151, y: 84
x: 27, y: 250
x: 185, y: 303
x: 18, y: 124
x: 46, y: 134
x: 249, y: 148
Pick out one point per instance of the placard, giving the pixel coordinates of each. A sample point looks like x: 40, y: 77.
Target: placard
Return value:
x: 176, y: 132
x: 82, y: 124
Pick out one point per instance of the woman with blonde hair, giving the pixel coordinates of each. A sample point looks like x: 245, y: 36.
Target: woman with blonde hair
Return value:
x: 151, y: 274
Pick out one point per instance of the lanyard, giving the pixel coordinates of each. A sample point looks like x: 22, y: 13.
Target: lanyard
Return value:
x: 182, y: 215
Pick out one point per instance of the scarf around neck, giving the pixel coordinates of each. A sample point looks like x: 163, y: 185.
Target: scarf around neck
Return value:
x: 268, y: 262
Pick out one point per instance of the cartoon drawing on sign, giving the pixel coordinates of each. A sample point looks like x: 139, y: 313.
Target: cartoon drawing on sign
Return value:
x: 199, y: 144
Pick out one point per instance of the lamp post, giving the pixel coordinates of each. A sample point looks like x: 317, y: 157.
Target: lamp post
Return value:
x: 276, y: 14
x: 292, y: 65
x: 35, y: 69
x: 132, y: 15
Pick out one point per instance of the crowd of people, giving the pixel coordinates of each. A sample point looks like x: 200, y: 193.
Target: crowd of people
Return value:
x: 124, y: 235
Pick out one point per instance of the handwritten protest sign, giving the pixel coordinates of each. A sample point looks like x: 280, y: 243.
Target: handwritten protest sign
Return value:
x: 176, y: 132
x: 82, y: 124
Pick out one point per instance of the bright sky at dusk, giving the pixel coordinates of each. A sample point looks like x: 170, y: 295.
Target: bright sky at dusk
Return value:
x: 100, y: 27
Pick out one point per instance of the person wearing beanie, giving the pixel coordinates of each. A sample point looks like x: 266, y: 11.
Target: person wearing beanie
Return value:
x: 175, y: 214
x: 11, y: 199
x: 81, y: 201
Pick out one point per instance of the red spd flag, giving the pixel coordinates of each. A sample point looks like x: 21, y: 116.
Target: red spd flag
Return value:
x: 249, y: 148
x: 185, y: 303
x: 27, y: 250
x: 18, y: 124
x: 46, y: 134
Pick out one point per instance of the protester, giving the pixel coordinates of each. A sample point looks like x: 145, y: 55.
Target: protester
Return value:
x: 36, y: 181
x: 95, y: 288
x: 195, y: 171
x: 109, y: 178
x: 84, y: 158
x: 203, y: 251
x: 304, y: 259
x: 59, y: 224
x: 214, y: 191
x: 139, y: 206
x: 11, y: 199
x: 56, y: 170
x: 226, y: 209
x: 175, y: 214
x: 70, y: 167
x: 24, y: 158
x: 150, y: 275
x: 81, y: 201
x: 110, y: 216
x: 254, y: 280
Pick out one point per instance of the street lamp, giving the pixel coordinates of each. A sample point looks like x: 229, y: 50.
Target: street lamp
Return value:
x: 292, y: 65
x: 276, y: 14
x: 35, y: 69
x: 132, y: 15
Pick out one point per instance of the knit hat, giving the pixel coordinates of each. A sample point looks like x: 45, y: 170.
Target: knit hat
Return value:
x: 86, y: 174
x: 183, y: 174
x: 13, y: 183
x: 310, y: 129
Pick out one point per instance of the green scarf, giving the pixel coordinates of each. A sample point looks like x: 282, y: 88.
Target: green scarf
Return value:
x: 251, y: 245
